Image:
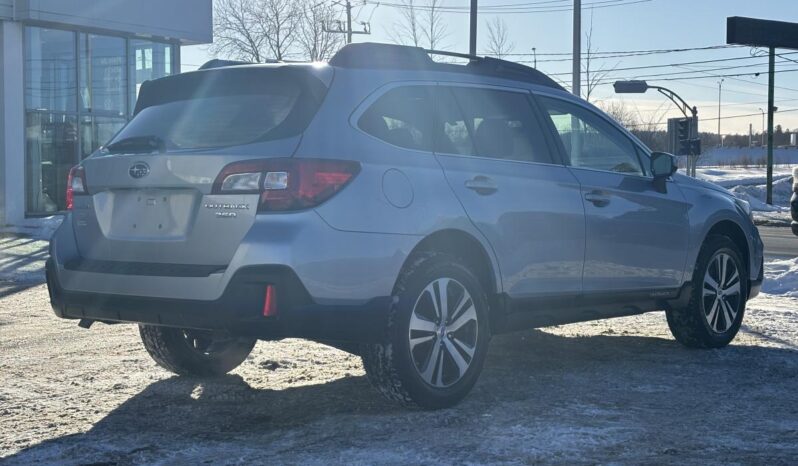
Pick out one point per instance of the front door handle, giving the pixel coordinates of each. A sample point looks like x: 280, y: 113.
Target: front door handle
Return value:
x: 482, y: 185
x: 598, y: 198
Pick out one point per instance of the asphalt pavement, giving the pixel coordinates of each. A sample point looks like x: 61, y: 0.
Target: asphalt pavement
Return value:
x: 779, y: 242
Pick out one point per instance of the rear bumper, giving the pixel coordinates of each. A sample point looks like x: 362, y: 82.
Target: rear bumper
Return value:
x: 238, y: 310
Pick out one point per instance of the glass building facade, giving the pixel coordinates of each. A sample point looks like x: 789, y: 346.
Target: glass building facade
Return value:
x: 80, y: 89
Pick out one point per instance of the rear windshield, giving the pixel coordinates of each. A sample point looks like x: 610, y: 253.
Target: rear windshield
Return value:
x: 218, y: 108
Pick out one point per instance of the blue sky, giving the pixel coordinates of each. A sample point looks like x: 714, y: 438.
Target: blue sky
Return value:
x: 656, y: 24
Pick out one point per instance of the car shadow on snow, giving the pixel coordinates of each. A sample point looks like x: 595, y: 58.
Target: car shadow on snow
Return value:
x: 530, y: 377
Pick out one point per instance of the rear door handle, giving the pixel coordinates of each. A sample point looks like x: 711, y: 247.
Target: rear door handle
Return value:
x: 482, y: 185
x: 597, y: 198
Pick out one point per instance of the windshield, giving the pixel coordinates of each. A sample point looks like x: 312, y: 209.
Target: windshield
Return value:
x: 220, y: 108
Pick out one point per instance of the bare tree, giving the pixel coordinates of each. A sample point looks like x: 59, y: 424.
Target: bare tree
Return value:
x: 256, y: 30
x: 618, y: 110
x: 315, y: 42
x: 236, y: 33
x: 434, y: 28
x: 407, y: 31
x: 278, y: 21
x: 420, y: 24
x: 593, y: 76
x: 499, y: 44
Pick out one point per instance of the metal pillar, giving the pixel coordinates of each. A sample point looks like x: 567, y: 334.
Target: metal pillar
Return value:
x: 577, y: 58
x: 771, y: 84
x: 472, y: 46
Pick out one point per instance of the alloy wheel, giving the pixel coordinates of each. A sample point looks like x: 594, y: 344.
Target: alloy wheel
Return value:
x: 443, y: 332
x: 722, y: 293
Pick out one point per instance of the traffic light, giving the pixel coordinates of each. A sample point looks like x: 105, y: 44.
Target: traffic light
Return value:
x: 683, y: 136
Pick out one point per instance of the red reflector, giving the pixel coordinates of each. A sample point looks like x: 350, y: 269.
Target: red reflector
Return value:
x: 270, y: 302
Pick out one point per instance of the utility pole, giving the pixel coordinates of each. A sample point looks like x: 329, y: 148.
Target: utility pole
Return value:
x: 535, y: 57
x: 472, y: 44
x: 348, y: 31
x: 720, y: 86
x: 348, y: 22
x: 577, y: 58
x: 771, y: 85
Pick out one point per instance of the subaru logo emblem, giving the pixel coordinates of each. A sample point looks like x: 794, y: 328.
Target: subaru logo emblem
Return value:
x: 139, y: 170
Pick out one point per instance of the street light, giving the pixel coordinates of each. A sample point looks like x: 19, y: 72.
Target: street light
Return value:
x: 640, y: 87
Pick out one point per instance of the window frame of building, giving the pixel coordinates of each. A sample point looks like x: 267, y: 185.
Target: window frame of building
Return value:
x: 90, y: 124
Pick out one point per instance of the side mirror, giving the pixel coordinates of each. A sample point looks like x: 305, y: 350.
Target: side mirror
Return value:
x: 663, y: 165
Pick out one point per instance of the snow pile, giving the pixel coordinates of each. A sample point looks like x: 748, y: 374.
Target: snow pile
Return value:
x: 781, y: 277
x: 756, y: 195
x: 729, y: 177
x: 750, y: 184
x: 42, y: 228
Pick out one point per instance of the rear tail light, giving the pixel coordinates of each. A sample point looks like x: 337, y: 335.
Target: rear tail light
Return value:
x: 76, y: 184
x: 286, y: 184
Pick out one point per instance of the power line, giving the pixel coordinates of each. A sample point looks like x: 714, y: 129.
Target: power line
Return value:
x: 661, y: 123
x: 646, y: 67
x: 525, y: 10
x: 632, y: 52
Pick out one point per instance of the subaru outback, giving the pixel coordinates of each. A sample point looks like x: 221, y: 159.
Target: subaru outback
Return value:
x: 396, y: 207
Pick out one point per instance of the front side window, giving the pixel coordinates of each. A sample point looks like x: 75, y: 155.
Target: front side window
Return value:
x: 402, y: 117
x: 501, y: 125
x: 591, y: 142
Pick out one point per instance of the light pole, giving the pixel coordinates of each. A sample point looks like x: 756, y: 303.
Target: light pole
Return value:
x: 577, y: 54
x: 763, y: 126
x: 472, y: 40
x: 720, y: 87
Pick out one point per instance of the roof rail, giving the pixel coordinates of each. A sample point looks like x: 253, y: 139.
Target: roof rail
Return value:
x: 391, y: 56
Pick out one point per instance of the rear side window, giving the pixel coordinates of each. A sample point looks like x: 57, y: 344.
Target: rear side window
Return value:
x: 402, y: 117
x: 219, y: 108
x: 501, y: 124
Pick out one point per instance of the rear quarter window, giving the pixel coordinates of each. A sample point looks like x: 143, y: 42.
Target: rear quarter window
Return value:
x: 403, y: 117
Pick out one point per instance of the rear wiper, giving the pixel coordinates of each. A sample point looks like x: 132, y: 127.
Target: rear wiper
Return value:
x: 137, y: 144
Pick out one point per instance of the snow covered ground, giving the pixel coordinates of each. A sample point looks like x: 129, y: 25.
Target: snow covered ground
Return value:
x: 616, y: 391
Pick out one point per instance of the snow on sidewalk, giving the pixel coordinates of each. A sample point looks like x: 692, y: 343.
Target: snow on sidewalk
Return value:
x: 781, y: 277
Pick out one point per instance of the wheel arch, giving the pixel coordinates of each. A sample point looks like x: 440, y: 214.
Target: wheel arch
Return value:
x: 467, y: 247
x: 734, y: 232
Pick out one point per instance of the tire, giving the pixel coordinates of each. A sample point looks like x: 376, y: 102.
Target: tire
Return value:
x: 712, y: 320
x: 194, y: 352
x: 403, y: 371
